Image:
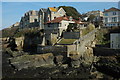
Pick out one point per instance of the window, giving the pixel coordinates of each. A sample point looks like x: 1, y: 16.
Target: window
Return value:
x: 35, y: 20
x: 106, y: 14
x: 114, y: 19
x: 31, y: 13
x: 106, y: 19
x: 114, y: 13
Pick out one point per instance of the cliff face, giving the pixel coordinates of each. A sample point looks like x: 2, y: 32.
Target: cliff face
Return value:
x: 109, y: 65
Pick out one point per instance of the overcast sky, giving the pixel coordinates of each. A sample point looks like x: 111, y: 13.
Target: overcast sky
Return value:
x: 12, y: 11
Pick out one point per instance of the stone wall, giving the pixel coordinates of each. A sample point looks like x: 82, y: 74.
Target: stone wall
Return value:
x: 106, y: 51
x: 56, y: 50
x: 71, y: 35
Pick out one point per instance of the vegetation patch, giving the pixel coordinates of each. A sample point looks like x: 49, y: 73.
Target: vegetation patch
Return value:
x: 88, y: 29
x: 67, y: 41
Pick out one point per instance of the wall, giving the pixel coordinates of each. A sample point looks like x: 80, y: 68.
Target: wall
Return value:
x: 105, y: 51
x: 56, y: 50
x: 71, y: 35
x: 115, y: 40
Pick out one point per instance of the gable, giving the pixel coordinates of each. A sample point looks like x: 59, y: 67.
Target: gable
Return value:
x: 61, y: 10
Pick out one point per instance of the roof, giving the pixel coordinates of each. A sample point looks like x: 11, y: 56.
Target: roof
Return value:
x: 52, y: 9
x: 44, y: 10
x: 58, y: 19
x: 67, y: 41
x: 112, y: 9
x: 67, y: 18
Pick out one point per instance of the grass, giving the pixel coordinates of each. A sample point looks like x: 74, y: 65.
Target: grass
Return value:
x: 88, y: 29
x: 67, y: 41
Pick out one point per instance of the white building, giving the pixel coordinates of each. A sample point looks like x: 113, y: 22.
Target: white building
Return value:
x: 115, y: 40
x: 49, y: 14
x: 111, y: 17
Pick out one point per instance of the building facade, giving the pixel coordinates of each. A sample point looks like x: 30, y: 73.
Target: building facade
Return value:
x: 115, y: 40
x: 49, y: 14
x: 111, y: 17
x: 98, y: 17
x: 42, y: 17
x: 30, y: 19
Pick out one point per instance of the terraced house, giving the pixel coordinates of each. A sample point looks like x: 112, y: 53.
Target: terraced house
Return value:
x: 30, y: 19
x: 111, y: 17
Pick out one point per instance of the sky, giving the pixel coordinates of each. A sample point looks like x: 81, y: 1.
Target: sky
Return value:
x: 13, y: 11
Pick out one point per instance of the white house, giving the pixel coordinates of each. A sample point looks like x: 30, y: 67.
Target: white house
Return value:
x: 115, y: 40
x: 53, y: 12
x: 111, y: 17
x: 49, y: 14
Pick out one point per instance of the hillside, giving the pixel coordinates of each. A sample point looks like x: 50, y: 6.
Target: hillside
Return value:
x: 71, y: 11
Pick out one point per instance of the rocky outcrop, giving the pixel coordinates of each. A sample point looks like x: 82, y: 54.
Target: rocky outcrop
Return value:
x: 15, y: 53
x: 75, y: 59
x: 26, y: 61
x: 58, y: 59
x: 109, y: 66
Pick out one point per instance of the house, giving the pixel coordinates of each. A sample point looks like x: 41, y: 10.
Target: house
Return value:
x: 115, y: 40
x: 54, y: 29
x: 41, y: 17
x: 30, y: 19
x: 96, y: 13
x: 95, y: 17
x: 49, y: 14
x: 111, y: 17
x: 53, y: 12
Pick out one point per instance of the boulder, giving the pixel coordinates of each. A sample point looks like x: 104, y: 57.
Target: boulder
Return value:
x: 75, y: 59
x: 26, y: 61
x: 59, y: 59
x: 15, y: 53
x: 75, y: 63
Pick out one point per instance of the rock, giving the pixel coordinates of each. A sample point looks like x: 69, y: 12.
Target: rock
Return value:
x: 75, y: 63
x: 26, y: 61
x: 64, y: 66
x: 74, y: 55
x: 15, y: 53
x: 59, y: 59
x: 75, y: 59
